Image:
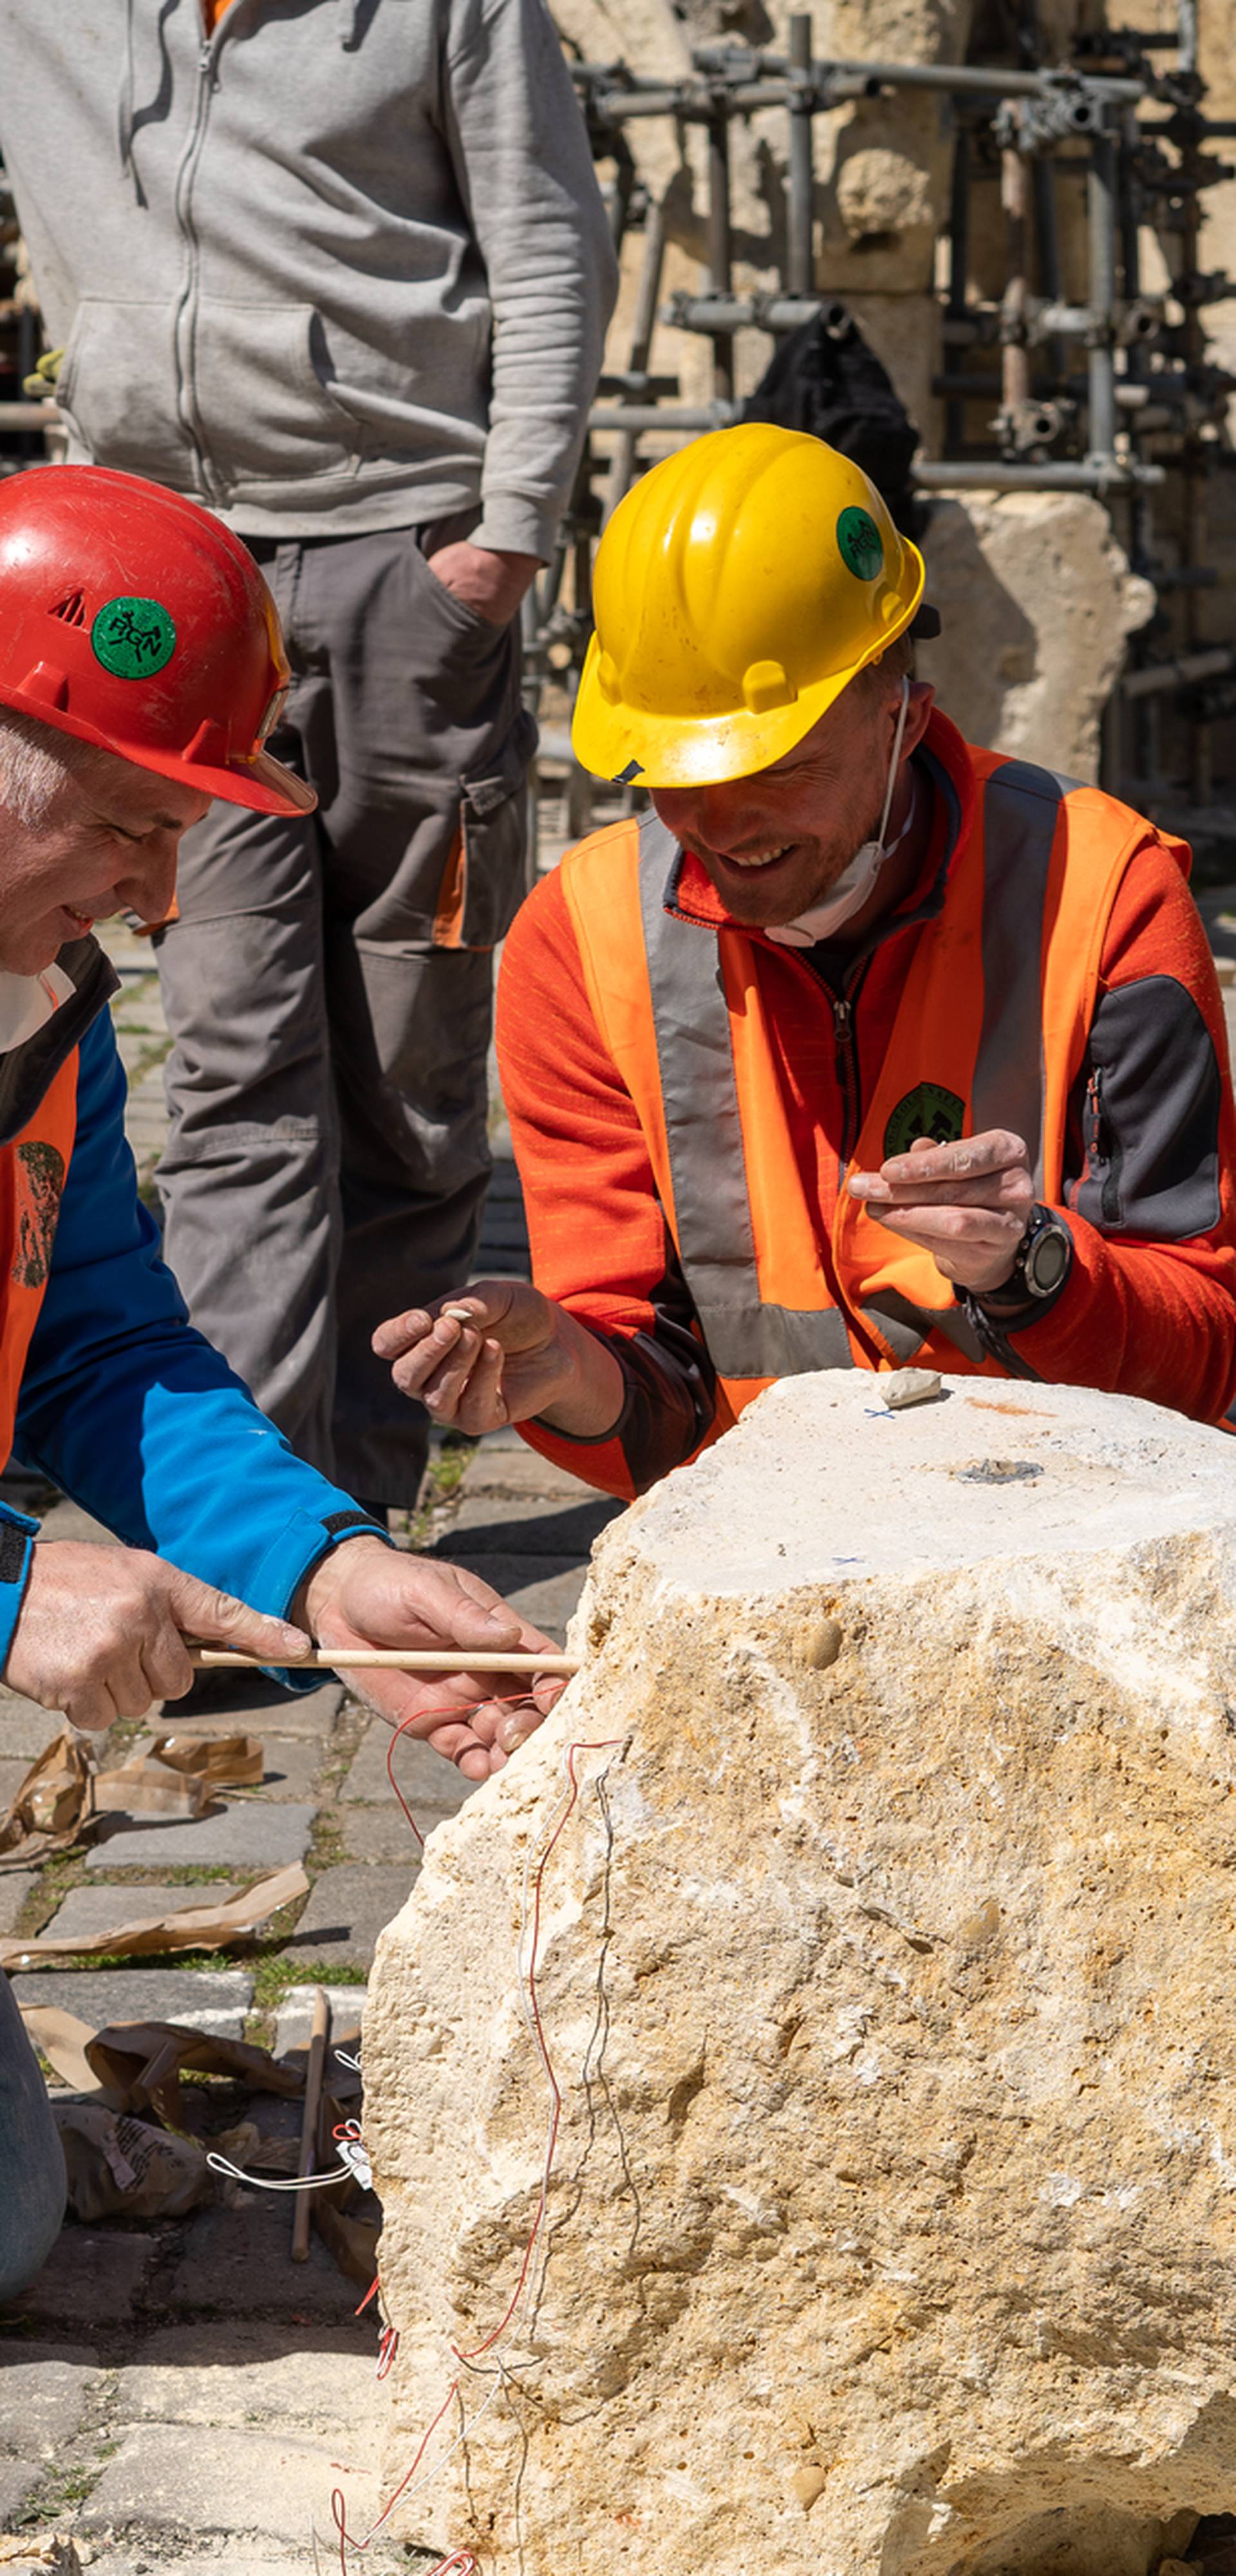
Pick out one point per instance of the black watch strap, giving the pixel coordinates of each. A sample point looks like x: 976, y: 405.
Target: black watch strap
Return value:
x: 1041, y: 1265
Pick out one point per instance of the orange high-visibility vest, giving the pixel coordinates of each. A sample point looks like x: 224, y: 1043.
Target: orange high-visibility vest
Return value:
x: 995, y: 1011
x: 32, y: 1175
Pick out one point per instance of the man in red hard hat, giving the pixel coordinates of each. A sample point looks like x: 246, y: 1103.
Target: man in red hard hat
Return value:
x: 341, y: 271
x: 141, y: 666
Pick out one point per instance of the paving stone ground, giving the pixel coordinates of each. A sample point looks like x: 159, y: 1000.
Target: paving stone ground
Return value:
x: 179, y: 2394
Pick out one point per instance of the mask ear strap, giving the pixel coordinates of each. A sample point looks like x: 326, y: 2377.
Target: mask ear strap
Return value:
x: 903, y: 712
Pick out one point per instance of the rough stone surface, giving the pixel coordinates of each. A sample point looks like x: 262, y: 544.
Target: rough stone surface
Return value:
x: 87, y: 1911
x: 235, y: 2263
x: 15, y: 1887
x: 43, y: 2397
x: 18, y: 2480
x: 892, y: 2001
x: 25, y: 1727
x: 88, y: 2281
x: 261, y: 1708
x: 380, y: 1833
x: 549, y: 1525
x: 504, y: 1465
x: 165, y: 2477
x: 237, y: 1836
x: 291, y: 1767
x: 543, y: 1589
x: 12, y: 1774
x: 294, y: 2019
x: 1036, y: 599
x: 425, y: 1779
x: 288, y: 2563
x: 244, y: 2376
x: 213, y: 1999
x: 347, y: 1909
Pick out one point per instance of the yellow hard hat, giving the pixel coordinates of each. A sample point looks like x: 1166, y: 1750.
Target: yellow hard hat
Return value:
x: 737, y: 590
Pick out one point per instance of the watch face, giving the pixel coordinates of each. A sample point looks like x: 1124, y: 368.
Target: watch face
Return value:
x: 1047, y: 1259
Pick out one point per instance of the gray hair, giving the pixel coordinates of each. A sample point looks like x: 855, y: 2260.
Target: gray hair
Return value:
x: 35, y: 760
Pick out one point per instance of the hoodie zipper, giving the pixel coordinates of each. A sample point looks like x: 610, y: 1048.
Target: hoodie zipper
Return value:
x: 185, y: 326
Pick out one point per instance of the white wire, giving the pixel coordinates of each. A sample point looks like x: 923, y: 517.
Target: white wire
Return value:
x: 258, y: 2182
x: 482, y: 2368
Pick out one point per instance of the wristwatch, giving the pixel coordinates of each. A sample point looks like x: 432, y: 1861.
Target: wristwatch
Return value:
x: 1041, y: 1263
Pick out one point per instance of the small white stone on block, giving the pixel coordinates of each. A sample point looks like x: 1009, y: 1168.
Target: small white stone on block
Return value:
x: 904, y: 1387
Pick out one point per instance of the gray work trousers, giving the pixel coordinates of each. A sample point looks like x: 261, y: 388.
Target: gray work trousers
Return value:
x: 32, y: 2171
x: 329, y: 990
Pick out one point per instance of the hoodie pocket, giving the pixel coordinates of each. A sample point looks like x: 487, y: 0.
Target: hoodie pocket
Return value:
x: 260, y: 390
x: 117, y: 385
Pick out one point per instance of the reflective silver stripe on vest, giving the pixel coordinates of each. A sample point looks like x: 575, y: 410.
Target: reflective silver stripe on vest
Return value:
x: 712, y: 1210
x: 1021, y: 806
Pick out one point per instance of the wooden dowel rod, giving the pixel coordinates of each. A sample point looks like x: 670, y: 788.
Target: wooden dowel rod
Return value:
x: 314, y: 2074
x: 392, y: 1659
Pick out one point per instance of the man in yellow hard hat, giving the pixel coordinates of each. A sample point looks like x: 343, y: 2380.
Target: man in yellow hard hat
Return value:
x: 863, y: 1048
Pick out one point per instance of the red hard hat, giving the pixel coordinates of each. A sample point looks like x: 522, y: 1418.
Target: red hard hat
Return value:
x: 135, y: 620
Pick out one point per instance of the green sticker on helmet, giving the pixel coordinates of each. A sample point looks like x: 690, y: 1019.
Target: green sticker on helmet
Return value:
x: 928, y: 1110
x: 133, y: 638
x: 861, y: 544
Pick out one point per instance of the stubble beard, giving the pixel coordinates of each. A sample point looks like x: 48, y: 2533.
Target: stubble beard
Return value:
x: 813, y: 881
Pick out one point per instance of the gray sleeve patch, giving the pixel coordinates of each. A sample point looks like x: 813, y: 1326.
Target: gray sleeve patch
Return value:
x: 1149, y: 1098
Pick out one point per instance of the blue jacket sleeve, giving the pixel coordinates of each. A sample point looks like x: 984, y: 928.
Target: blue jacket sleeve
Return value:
x: 132, y: 1412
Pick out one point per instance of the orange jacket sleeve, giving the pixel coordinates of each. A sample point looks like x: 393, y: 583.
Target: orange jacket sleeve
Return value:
x: 1149, y: 1307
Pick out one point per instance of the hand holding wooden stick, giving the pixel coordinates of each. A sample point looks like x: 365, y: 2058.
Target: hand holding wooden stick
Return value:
x: 395, y: 1659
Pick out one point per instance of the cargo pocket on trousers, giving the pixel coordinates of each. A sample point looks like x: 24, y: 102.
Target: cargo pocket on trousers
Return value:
x: 483, y: 880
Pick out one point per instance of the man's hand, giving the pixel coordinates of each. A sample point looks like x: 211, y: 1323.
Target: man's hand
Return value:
x: 102, y: 1631
x: 521, y: 1355
x: 365, y: 1594
x: 968, y: 1204
x: 493, y: 584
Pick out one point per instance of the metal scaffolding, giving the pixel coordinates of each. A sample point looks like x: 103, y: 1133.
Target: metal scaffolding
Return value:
x: 1112, y: 393
x: 1111, y: 390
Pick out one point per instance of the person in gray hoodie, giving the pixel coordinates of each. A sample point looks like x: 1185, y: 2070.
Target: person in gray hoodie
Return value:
x: 339, y: 269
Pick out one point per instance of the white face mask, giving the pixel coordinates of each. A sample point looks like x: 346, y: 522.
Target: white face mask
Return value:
x: 854, y: 885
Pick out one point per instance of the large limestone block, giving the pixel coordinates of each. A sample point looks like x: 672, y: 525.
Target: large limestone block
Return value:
x: 885, y: 163
x: 1037, y: 600
x: 887, y: 1966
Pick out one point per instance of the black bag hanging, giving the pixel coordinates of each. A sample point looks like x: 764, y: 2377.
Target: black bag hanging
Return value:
x: 824, y: 379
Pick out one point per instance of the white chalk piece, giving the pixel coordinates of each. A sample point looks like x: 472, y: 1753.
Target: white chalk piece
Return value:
x: 909, y: 1386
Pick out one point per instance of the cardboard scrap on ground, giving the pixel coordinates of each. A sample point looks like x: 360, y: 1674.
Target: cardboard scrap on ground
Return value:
x: 195, y: 1927
x: 137, y: 2065
x: 119, y: 2167
x: 41, y: 2549
x: 64, y: 1793
x: 47, y: 1813
x: 177, y: 1775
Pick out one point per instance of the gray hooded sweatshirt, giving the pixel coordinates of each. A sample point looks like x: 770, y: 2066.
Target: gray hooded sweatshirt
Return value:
x: 342, y: 265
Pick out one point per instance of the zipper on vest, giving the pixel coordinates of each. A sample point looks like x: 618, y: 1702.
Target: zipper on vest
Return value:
x: 847, y: 1075
x: 1103, y: 1155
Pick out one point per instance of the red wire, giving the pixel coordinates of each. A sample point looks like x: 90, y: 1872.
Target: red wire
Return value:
x: 461, y: 2562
